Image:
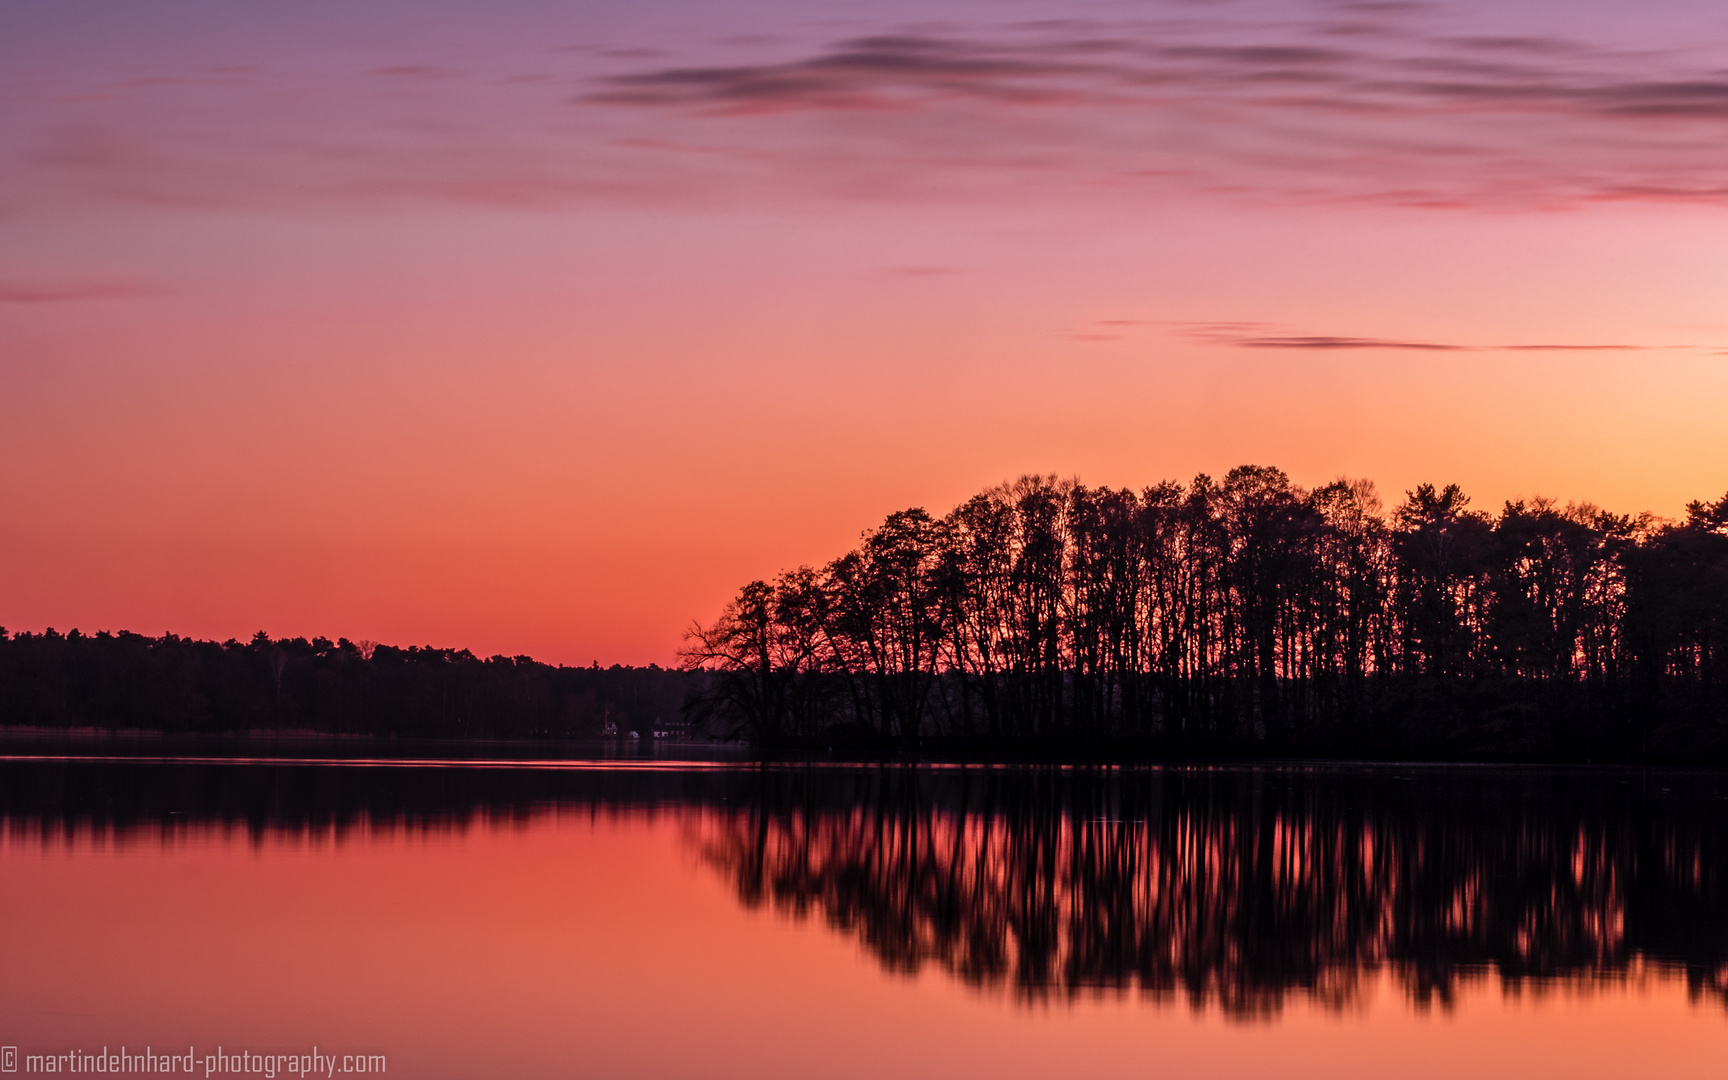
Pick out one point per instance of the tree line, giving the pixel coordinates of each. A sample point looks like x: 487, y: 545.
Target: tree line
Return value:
x: 1243, y: 615
x: 172, y: 684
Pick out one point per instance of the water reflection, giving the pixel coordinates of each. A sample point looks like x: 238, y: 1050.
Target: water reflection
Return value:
x: 1234, y: 887
x: 1242, y: 887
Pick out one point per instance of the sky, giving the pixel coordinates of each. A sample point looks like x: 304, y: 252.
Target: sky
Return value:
x: 538, y: 328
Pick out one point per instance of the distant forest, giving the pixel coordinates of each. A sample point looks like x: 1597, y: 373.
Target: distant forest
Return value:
x: 1243, y: 616
x: 176, y: 685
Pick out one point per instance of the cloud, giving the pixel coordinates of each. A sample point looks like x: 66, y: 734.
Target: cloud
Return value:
x: 1253, y: 335
x: 1585, y: 348
x: 1281, y: 111
x: 1326, y: 342
x: 885, y: 72
x: 414, y: 71
x: 1352, y: 104
x: 924, y: 271
x: 1140, y: 67
x: 39, y: 293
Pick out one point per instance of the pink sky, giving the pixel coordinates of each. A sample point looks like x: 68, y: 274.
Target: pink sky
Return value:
x: 538, y: 329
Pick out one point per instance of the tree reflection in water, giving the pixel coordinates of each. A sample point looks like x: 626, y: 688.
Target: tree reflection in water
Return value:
x: 1230, y: 886
x: 1242, y: 887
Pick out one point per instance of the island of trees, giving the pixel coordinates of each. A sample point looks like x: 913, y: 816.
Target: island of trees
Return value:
x: 1243, y: 616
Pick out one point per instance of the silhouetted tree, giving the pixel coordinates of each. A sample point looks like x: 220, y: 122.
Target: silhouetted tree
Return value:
x: 172, y: 684
x: 1249, y: 615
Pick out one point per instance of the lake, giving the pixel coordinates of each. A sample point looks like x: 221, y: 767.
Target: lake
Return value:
x: 741, y: 919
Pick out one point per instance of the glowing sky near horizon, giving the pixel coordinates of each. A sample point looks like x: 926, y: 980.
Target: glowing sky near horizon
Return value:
x: 539, y: 327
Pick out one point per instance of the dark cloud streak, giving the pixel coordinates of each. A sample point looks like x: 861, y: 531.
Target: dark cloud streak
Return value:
x: 1231, y: 102
x: 1251, y: 335
x: 900, y: 70
x: 38, y: 293
x: 1530, y: 119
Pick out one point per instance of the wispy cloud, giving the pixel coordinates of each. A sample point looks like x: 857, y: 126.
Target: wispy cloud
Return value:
x: 1329, y: 342
x: 16, y: 292
x: 1271, y: 109
x: 1372, y: 103
x: 415, y: 71
x: 886, y: 72
x: 1254, y: 335
x: 929, y: 271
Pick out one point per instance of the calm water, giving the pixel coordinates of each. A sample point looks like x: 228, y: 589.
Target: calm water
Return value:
x: 794, y: 921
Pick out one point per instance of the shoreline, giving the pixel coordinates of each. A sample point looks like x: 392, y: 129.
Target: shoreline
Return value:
x: 20, y: 744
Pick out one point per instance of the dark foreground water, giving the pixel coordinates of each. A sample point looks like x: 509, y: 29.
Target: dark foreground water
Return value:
x: 729, y: 920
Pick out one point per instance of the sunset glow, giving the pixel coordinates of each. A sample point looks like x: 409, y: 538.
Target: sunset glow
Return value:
x: 537, y: 329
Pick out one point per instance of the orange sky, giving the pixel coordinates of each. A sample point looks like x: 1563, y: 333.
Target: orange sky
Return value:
x: 374, y: 342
